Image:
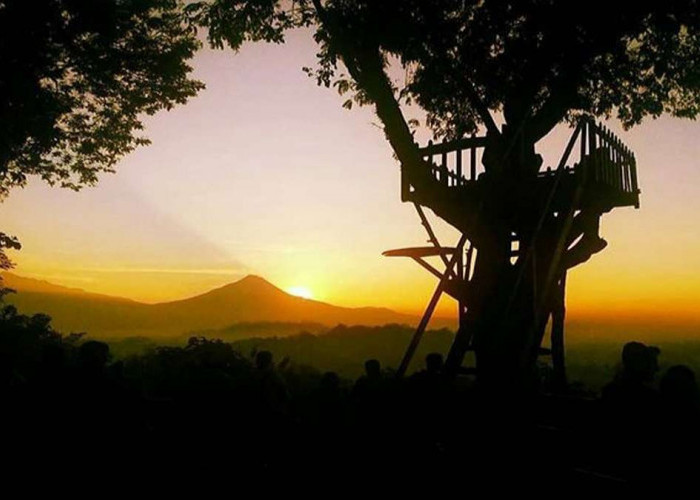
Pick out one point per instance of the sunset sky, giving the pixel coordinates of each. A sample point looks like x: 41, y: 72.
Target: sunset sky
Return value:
x: 265, y: 173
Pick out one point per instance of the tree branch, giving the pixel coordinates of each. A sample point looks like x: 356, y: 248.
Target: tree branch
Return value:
x: 481, y: 108
x: 366, y: 67
x: 551, y: 113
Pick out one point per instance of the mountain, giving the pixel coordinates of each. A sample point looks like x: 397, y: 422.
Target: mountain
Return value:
x: 252, y: 299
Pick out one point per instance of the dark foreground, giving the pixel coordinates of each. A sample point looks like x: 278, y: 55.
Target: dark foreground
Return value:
x: 206, y: 409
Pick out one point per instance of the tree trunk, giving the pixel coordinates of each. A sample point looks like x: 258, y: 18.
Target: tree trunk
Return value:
x: 510, y: 301
x: 504, y: 315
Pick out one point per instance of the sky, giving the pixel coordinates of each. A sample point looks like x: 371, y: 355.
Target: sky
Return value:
x: 265, y: 173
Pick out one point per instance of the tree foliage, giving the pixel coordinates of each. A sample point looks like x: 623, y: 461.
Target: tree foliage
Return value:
x: 78, y: 76
x: 537, y: 62
x: 470, y: 64
x: 6, y: 242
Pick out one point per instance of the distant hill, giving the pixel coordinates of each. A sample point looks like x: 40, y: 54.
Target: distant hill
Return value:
x: 250, y: 300
x: 344, y: 349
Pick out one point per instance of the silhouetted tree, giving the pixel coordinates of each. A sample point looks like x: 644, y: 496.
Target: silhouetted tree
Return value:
x: 5, y: 262
x: 534, y: 64
x: 77, y: 78
x: 22, y: 341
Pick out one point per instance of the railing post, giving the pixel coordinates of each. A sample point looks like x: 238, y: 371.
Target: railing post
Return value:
x: 606, y: 155
x: 444, y: 178
x: 459, y: 167
x: 593, y: 155
x: 630, y: 159
x: 618, y: 169
x: 472, y: 165
x: 622, y: 163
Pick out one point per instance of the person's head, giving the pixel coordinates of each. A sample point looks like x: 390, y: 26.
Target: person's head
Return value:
x: 640, y: 361
x: 372, y: 368
x: 678, y: 383
x: 330, y: 381
x: 93, y: 355
x: 263, y: 360
x: 433, y: 362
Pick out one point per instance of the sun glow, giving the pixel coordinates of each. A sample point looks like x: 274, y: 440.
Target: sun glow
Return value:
x: 300, y: 291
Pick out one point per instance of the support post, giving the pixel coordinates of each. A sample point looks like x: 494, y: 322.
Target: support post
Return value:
x: 418, y: 335
x: 558, y: 353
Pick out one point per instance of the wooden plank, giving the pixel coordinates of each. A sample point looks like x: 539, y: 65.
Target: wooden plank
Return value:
x: 419, y: 252
x: 410, y: 351
x: 448, y: 147
x: 472, y: 162
x: 418, y: 335
x: 428, y: 267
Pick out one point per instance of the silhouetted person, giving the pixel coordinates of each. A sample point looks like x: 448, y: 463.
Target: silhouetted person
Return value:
x: 368, y: 386
x: 427, y: 403
x: 631, y: 412
x: 369, y: 396
x: 429, y: 384
x: 329, y: 406
x: 373, y: 369
x: 96, y: 400
x: 433, y: 366
x: 330, y: 384
x: 271, y: 419
x: 680, y: 419
x: 273, y: 392
x: 679, y: 386
x: 632, y: 388
x: 681, y: 397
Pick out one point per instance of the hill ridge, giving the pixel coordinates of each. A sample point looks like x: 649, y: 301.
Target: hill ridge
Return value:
x: 250, y: 299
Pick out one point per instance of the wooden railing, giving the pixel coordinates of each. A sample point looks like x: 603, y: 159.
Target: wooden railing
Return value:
x: 607, y: 160
x: 456, y: 162
x: 611, y: 162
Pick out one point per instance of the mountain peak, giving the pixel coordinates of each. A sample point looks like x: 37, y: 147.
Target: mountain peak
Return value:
x: 253, y: 281
x: 253, y: 278
x: 250, y: 299
x: 249, y: 284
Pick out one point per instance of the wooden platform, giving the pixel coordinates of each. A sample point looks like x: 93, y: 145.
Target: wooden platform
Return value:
x: 458, y: 185
x: 419, y: 252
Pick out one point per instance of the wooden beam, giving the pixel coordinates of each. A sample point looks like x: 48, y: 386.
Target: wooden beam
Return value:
x: 558, y: 352
x: 431, y: 235
x: 449, y: 146
x: 418, y: 335
x: 430, y: 268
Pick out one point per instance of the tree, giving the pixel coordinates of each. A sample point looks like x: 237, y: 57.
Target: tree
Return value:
x: 78, y: 76
x: 533, y: 63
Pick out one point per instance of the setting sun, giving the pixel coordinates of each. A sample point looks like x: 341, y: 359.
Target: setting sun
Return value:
x: 300, y: 291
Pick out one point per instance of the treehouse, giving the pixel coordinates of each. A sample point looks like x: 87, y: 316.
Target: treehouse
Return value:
x: 456, y: 186
x: 595, y: 174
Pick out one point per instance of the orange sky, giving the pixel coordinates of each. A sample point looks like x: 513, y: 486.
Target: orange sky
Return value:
x: 266, y: 173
